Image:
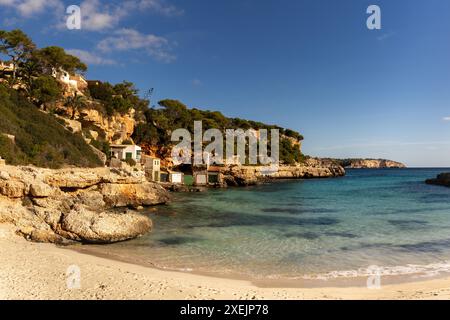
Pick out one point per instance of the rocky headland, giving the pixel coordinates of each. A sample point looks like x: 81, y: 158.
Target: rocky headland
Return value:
x: 85, y: 205
x: 442, y: 179
x: 311, y: 168
x: 369, y: 163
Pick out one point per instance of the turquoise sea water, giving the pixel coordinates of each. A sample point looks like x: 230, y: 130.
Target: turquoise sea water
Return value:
x: 304, y: 229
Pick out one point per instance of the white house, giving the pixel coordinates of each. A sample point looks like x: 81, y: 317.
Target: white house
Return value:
x: 76, y: 82
x: 125, y: 152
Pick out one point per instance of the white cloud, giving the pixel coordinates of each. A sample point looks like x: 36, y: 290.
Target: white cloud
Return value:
x: 446, y: 118
x: 160, y: 6
x: 90, y: 58
x: 7, y: 2
x: 96, y: 15
x: 28, y: 8
x: 385, y: 36
x: 129, y: 39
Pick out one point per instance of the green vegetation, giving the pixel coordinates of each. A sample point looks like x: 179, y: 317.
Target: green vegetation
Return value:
x: 34, y: 67
x: 45, y: 89
x: 39, y: 139
x: 159, y: 124
x: 118, y: 98
x: 18, y: 46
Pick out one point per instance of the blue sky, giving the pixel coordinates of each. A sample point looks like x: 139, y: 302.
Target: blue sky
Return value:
x: 311, y: 65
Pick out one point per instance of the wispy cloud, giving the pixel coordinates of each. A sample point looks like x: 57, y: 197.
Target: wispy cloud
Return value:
x: 446, y: 118
x: 28, y: 8
x: 130, y: 39
x: 196, y: 82
x: 160, y: 6
x: 96, y: 15
x: 385, y: 36
x: 91, y: 58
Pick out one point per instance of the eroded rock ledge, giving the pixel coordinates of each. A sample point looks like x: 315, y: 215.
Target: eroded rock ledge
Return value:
x: 86, y: 205
x: 312, y: 168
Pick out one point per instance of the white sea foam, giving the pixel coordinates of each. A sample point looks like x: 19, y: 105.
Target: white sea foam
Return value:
x: 429, y: 270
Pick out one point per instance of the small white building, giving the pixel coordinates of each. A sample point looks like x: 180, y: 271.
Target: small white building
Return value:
x: 176, y: 177
x: 76, y: 83
x: 126, y: 152
x: 153, y: 168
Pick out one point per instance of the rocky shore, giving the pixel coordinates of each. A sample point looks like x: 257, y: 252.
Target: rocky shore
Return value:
x: 101, y: 205
x: 312, y: 168
x: 86, y: 205
x: 442, y: 179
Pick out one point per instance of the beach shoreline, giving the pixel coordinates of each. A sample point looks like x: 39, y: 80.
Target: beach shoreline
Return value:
x: 38, y: 271
x: 275, y: 282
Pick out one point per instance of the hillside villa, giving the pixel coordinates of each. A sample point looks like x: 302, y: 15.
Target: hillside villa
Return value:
x: 126, y: 152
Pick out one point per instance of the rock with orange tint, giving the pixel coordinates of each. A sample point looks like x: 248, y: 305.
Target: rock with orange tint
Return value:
x: 133, y: 195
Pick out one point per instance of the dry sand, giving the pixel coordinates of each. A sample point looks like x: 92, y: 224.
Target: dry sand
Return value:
x: 38, y: 271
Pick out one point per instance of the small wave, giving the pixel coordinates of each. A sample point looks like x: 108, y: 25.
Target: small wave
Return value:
x: 428, y: 270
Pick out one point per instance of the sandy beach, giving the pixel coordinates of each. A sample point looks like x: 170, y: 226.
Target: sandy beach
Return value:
x: 38, y: 271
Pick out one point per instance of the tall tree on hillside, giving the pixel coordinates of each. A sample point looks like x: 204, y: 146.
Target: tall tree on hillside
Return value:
x: 57, y: 58
x: 16, y: 45
x: 45, y: 90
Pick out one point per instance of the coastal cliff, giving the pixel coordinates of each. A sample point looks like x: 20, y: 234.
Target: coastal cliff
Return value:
x: 95, y: 124
x: 86, y: 205
x: 369, y: 163
x: 312, y: 168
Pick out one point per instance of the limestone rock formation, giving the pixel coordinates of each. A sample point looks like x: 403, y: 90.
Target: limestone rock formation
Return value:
x: 250, y: 175
x: 115, y: 129
x: 374, y: 164
x: 81, y: 224
x: 87, y: 205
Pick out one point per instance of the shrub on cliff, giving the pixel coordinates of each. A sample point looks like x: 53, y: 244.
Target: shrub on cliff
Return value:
x: 118, y: 98
x: 39, y: 138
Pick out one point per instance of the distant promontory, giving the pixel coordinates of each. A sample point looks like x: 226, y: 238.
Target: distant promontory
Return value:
x: 369, y: 163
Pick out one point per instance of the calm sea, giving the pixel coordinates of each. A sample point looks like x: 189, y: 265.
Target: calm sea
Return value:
x: 304, y: 229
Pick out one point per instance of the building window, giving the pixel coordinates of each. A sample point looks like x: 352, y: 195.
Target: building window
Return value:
x: 129, y: 155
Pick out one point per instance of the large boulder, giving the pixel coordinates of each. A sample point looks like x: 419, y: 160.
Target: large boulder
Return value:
x: 133, y: 195
x: 76, y: 204
x: 41, y: 190
x: 84, y: 225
